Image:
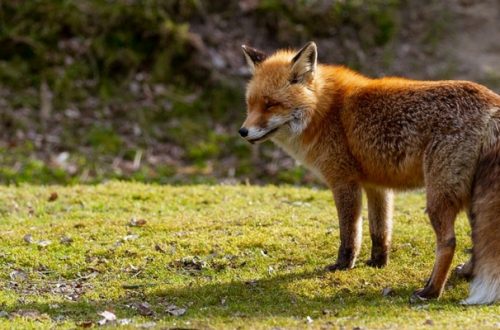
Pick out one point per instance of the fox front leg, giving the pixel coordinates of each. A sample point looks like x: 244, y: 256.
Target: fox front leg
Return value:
x: 380, y: 207
x: 348, y: 202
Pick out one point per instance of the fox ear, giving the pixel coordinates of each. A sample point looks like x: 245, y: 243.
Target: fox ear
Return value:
x: 253, y: 56
x: 304, y: 63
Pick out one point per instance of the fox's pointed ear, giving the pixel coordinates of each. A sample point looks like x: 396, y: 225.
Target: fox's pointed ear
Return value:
x: 253, y: 56
x: 304, y: 63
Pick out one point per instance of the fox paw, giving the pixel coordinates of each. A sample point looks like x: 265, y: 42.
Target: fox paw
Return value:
x: 338, y: 266
x: 377, y: 262
x: 423, y: 295
x: 464, y: 270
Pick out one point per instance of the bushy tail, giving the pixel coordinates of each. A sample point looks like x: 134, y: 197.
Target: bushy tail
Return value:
x: 485, y: 286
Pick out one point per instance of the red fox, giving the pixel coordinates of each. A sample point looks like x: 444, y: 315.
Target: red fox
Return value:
x: 378, y: 135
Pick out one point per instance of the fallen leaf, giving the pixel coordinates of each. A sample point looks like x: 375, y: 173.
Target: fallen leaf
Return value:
x: 85, y: 324
x: 44, y: 243
x: 53, y: 196
x: 29, y: 314
x: 66, y: 240
x: 252, y: 283
x: 175, y: 311
x: 429, y: 322
x: 28, y: 238
x: 137, y: 222
x: 159, y: 248
x: 130, y: 237
x: 144, y: 309
x: 387, y: 292
x: 18, y: 275
x: 124, y: 321
x: 107, y: 317
x: 118, y: 244
x: 59, y: 318
x: 192, y: 263
x: 132, y: 268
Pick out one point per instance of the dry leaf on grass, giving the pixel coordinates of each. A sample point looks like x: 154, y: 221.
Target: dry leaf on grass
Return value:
x: 130, y: 237
x: 175, y: 311
x: 44, y: 243
x: 85, y: 324
x: 159, y: 248
x: 53, y: 196
x: 107, y: 317
x: 137, y: 222
x: 144, y: 309
x: 124, y: 321
x: 387, y: 292
x: 28, y: 239
x: 31, y: 314
x: 191, y: 263
x: 252, y: 283
x: 18, y: 275
x: 66, y: 240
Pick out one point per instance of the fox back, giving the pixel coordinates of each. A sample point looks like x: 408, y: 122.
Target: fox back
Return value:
x: 338, y: 122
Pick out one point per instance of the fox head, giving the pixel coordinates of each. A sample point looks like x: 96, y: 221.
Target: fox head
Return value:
x: 280, y: 96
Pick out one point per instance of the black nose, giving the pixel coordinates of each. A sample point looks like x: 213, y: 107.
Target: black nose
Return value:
x: 243, y: 132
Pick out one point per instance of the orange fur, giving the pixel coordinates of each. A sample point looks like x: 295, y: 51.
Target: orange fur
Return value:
x: 355, y: 132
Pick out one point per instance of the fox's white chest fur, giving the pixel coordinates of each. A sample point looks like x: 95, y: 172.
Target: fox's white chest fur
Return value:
x: 291, y: 145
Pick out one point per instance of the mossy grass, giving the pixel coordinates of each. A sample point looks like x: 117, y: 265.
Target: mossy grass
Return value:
x: 233, y: 256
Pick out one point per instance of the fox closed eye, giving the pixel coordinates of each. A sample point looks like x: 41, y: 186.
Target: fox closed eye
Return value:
x: 268, y: 103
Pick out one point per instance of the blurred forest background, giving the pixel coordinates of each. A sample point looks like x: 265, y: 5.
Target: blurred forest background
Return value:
x: 153, y: 90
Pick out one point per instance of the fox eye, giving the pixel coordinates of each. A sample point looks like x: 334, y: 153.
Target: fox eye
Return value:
x: 270, y: 103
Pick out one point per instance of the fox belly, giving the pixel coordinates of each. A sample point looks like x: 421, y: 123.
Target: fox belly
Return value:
x: 397, y: 173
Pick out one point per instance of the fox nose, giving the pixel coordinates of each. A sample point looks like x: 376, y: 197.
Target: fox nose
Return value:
x: 243, y: 132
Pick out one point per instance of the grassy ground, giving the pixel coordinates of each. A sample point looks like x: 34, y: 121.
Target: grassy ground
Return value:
x: 232, y: 256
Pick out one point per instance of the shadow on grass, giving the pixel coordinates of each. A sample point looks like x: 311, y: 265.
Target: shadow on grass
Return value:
x: 269, y: 297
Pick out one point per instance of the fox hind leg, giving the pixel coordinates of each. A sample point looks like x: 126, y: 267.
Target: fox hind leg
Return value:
x: 449, y: 169
x: 465, y: 270
x: 442, y: 218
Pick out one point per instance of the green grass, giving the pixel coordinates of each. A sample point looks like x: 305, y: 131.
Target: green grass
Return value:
x: 234, y: 256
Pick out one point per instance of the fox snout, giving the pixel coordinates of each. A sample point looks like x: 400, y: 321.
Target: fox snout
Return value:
x: 243, y: 132
x: 257, y: 134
